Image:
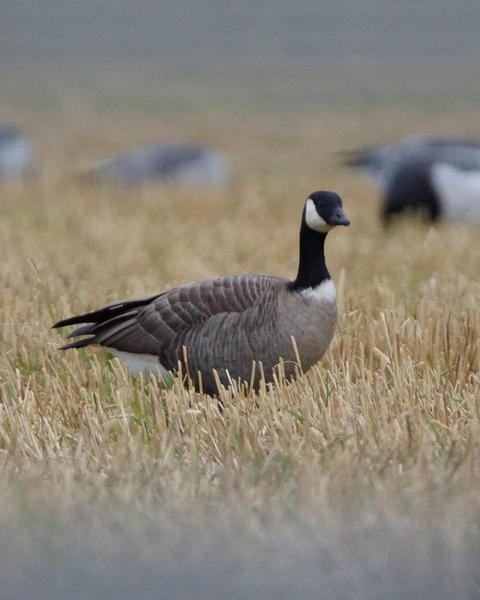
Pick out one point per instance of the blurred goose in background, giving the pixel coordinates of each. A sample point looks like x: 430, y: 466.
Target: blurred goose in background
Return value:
x: 232, y: 323
x: 438, y: 190
x: 382, y: 161
x: 164, y: 163
x: 437, y: 176
x: 17, y: 154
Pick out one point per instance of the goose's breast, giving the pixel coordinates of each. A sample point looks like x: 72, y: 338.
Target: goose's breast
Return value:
x: 310, y: 317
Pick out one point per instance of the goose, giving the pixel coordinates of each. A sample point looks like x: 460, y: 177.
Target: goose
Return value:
x: 17, y: 154
x: 383, y: 161
x: 166, y: 162
x: 441, y: 191
x: 223, y: 329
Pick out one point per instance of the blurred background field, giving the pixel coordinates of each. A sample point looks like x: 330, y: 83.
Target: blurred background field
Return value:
x: 361, y: 480
x: 271, y: 83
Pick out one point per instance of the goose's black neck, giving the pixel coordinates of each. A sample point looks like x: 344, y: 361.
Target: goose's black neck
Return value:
x: 312, y: 269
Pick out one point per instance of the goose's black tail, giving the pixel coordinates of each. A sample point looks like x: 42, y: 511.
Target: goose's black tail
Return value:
x: 95, y: 323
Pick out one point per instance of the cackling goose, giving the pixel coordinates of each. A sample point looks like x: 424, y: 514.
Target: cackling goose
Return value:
x: 440, y: 191
x: 17, y: 154
x: 231, y: 324
x: 381, y: 162
x: 164, y: 163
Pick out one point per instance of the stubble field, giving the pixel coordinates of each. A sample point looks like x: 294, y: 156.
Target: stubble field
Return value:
x: 379, y: 439
x: 358, y: 481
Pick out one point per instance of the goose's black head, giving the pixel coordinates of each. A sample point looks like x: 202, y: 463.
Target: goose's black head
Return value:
x: 410, y: 189
x: 323, y: 211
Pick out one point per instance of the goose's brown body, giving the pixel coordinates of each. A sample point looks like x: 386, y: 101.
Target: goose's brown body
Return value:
x: 228, y: 325
x: 224, y: 324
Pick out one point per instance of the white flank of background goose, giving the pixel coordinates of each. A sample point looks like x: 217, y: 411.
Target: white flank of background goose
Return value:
x: 230, y: 323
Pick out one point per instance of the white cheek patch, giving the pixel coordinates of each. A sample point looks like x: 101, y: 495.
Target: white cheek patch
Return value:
x: 314, y: 220
x: 324, y: 292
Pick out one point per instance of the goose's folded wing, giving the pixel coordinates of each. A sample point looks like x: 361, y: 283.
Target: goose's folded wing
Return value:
x: 149, y: 325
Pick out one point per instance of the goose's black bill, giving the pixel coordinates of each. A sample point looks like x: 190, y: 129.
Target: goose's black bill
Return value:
x: 338, y: 217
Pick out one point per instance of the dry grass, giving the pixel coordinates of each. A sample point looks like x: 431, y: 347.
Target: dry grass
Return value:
x: 360, y: 480
x: 388, y: 424
x: 393, y: 405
